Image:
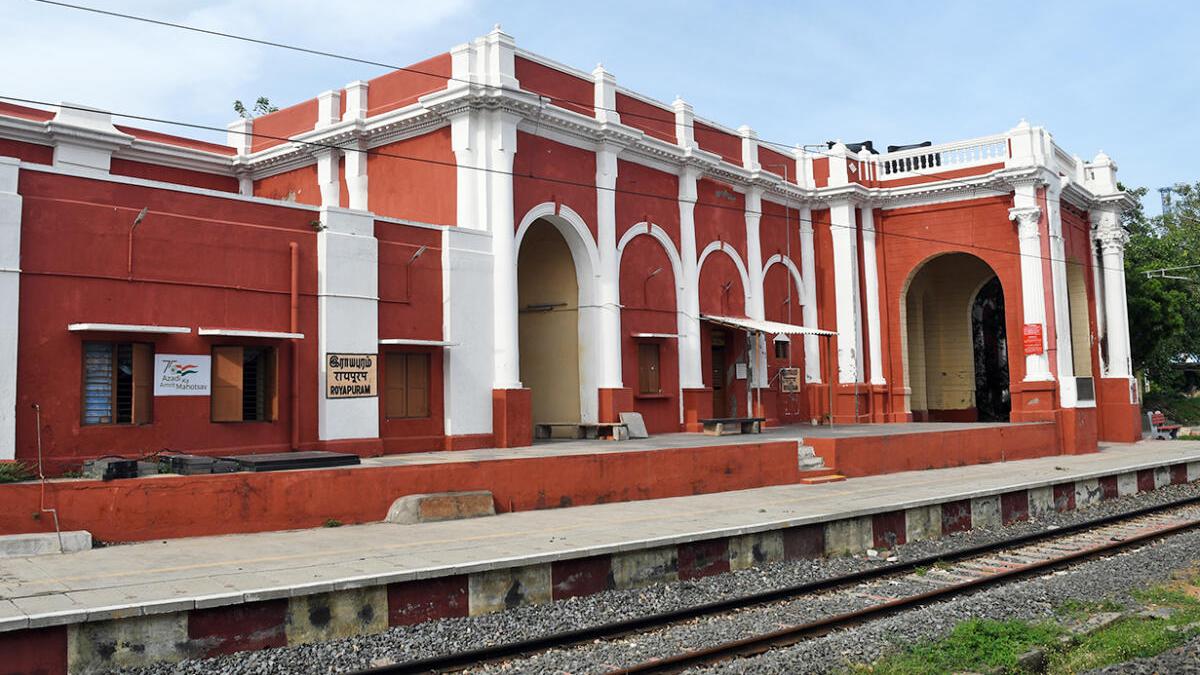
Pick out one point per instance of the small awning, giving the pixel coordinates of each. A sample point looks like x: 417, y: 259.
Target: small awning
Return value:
x: 413, y: 342
x: 759, y: 326
x: 127, y: 328
x: 654, y: 335
x: 239, y: 332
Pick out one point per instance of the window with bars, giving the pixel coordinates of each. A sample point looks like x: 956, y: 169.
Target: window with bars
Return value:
x: 245, y: 384
x: 118, y: 384
x: 649, y: 379
x: 406, y: 382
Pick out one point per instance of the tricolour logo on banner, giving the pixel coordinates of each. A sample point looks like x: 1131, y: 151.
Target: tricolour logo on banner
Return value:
x: 182, y: 375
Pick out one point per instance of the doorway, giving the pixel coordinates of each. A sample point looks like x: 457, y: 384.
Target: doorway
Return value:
x: 548, y: 324
x: 720, y: 374
x: 993, y: 401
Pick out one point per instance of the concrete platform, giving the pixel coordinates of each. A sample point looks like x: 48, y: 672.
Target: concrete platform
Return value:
x: 548, y: 475
x: 211, y: 595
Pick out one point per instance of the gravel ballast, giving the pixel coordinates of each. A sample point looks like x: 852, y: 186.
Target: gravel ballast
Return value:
x: 1109, y: 577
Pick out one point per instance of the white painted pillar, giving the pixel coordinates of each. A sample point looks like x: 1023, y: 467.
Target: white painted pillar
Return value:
x: 754, y: 270
x: 848, y: 304
x: 240, y: 137
x: 1112, y: 239
x: 808, y: 270
x: 1028, y: 216
x: 691, y: 372
x: 347, y: 314
x: 605, y: 95
x: 502, y: 147
x: 1068, y: 396
x: 467, y: 323
x: 871, y: 282
x: 328, y: 160
x: 10, y: 277
x: 608, y: 286
x: 355, y: 154
x: 85, y: 138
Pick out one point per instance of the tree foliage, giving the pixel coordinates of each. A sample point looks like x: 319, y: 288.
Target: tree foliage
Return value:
x: 1164, y: 313
x: 261, y: 107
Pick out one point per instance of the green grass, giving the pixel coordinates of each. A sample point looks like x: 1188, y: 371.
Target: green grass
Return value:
x: 994, y: 646
x: 977, y: 644
x: 12, y: 472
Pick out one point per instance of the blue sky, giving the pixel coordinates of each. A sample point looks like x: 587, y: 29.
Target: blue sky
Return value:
x: 1121, y: 77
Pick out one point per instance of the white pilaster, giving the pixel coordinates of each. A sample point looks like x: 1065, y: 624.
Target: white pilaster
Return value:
x: 754, y: 270
x: 685, y: 124
x: 1068, y: 395
x: 871, y: 283
x: 502, y: 147
x: 608, y: 286
x: 467, y: 322
x: 85, y: 138
x: 691, y: 374
x: 808, y: 270
x: 749, y: 148
x: 10, y: 276
x: 347, y: 314
x: 240, y: 135
x: 355, y: 154
x: 605, y: 97
x: 328, y: 160
x: 1028, y: 215
x: 848, y: 303
x: 1111, y: 237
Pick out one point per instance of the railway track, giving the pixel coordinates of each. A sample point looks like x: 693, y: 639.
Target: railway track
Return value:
x: 961, y: 572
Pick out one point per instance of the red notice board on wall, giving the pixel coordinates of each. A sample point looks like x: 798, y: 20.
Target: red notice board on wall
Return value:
x: 1032, y: 338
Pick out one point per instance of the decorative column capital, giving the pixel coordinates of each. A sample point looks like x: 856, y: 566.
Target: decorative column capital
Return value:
x: 1027, y: 219
x: 1107, y: 230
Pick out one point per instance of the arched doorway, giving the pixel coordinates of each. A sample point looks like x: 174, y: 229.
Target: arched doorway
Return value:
x: 548, y: 323
x: 956, y: 351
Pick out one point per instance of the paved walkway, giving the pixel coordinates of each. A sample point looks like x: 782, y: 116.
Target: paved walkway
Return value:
x: 182, y: 574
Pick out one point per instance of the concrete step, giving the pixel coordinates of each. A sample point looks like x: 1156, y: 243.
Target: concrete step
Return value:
x: 24, y: 545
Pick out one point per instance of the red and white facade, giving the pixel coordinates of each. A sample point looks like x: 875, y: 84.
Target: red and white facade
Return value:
x: 397, y: 215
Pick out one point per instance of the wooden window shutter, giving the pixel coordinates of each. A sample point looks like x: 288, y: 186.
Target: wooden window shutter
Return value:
x: 143, y: 383
x: 418, y: 385
x: 395, y: 379
x: 227, y: 384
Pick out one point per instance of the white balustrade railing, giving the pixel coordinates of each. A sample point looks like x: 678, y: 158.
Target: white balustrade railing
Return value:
x: 936, y: 158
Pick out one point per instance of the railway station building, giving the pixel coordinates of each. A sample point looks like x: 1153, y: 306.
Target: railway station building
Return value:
x: 442, y: 256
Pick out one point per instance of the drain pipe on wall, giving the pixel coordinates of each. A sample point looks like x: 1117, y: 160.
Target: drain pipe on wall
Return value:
x: 37, y: 411
x: 294, y: 327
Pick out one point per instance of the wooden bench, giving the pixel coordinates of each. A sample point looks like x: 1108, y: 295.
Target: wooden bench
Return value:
x: 1159, y: 429
x: 609, y: 431
x: 720, y: 426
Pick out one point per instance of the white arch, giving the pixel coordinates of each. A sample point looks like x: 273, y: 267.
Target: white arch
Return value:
x: 730, y: 251
x: 586, y: 256
x: 779, y: 259
x: 644, y: 228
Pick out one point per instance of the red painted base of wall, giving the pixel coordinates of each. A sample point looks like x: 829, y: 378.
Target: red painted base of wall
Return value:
x: 871, y: 455
x: 185, y: 506
x: 613, y: 402
x: 512, y: 417
x: 1120, y: 417
x: 852, y: 404
x: 697, y: 405
x: 1078, y: 428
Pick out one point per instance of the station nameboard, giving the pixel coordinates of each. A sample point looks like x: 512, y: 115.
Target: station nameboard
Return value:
x: 351, y: 375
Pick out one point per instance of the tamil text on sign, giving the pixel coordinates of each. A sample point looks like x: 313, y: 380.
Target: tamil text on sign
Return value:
x: 351, y: 375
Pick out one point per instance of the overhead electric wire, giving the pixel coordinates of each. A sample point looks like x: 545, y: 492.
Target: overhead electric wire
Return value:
x: 562, y: 181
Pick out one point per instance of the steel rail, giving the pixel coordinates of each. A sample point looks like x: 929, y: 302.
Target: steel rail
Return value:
x: 509, y: 650
x: 758, y: 644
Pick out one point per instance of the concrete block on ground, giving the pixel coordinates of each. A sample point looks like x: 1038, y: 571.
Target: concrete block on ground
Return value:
x: 849, y: 536
x: 755, y: 550
x: 438, y: 506
x: 985, y: 512
x: 1127, y: 484
x: 1193, y: 471
x: 43, y: 543
x: 1041, y: 501
x: 632, y: 569
x: 923, y: 523
x: 1088, y: 493
x: 137, y: 641
x: 340, y: 614
x: 1162, y: 476
x: 501, y: 589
